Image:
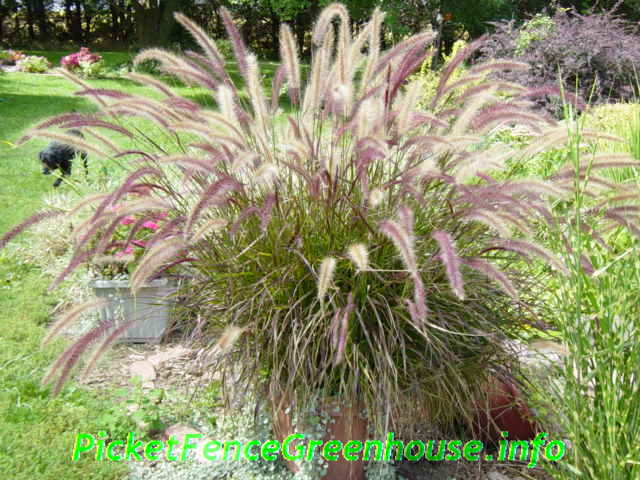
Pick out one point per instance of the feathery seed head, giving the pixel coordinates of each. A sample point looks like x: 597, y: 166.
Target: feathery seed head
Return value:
x: 359, y: 255
x: 325, y: 276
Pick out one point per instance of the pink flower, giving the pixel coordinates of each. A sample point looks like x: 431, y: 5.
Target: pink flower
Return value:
x: 127, y: 220
x: 126, y: 251
x: 150, y: 225
x: 75, y: 59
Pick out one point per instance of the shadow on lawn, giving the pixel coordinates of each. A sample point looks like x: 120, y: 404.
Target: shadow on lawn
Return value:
x: 18, y: 110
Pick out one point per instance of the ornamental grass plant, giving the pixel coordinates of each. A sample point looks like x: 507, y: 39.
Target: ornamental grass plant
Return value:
x: 595, y: 402
x: 359, y: 246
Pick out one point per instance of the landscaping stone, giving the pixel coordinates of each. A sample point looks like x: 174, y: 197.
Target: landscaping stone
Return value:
x: 168, y: 355
x: 143, y: 369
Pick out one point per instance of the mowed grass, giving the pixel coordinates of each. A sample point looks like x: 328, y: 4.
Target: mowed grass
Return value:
x: 39, y: 431
x: 111, y: 59
x: 27, y: 99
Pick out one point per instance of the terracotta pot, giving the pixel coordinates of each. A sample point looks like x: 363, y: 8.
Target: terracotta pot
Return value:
x: 347, y: 425
x: 504, y: 410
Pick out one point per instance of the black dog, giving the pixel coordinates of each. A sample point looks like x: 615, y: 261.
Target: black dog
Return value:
x: 59, y: 156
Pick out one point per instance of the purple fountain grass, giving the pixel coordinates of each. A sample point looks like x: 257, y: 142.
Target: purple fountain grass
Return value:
x: 78, y: 259
x: 403, y: 241
x: 207, y: 45
x: 154, y: 259
x: 69, y: 358
x: 360, y: 240
x: 493, y: 273
x: 237, y: 43
x: 104, y: 345
x: 215, y: 194
x: 125, y: 187
x: 289, y: 55
x: 341, y: 340
x: 451, y: 261
x: 69, y: 317
x: 34, y: 219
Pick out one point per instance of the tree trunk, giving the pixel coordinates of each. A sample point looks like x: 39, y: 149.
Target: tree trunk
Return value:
x: 32, y: 34
x: 76, y: 24
x: 300, y: 31
x: 127, y: 20
x: 41, y: 16
x: 116, y: 30
x: 275, y: 30
x: 87, y: 22
x: 68, y: 19
x: 154, y: 23
x: 16, y: 28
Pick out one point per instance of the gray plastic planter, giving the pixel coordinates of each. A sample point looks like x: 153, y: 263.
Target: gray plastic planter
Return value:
x: 150, y: 308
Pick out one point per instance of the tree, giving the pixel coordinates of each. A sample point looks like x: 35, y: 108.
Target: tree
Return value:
x: 154, y: 20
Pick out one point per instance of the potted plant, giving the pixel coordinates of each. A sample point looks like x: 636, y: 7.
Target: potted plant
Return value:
x: 360, y: 248
x: 148, y: 311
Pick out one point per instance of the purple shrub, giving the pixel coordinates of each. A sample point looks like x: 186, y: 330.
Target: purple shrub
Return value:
x: 599, y: 52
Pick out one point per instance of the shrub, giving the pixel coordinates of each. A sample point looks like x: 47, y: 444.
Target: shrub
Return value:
x: 359, y: 246
x: 225, y: 48
x: 600, y: 53
x: 92, y: 69
x: 73, y: 60
x: 34, y: 64
x: 430, y: 78
x: 537, y: 29
x: 84, y: 63
x: 5, y: 57
x: 10, y: 57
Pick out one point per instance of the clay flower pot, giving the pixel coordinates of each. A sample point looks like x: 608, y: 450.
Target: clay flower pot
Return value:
x: 346, y: 424
x: 504, y: 410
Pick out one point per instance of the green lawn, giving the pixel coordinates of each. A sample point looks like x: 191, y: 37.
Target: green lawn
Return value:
x: 38, y: 431
x: 111, y: 59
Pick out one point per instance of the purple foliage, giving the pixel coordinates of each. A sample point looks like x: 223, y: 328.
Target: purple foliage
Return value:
x: 451, y: 261
x: 600, y: 52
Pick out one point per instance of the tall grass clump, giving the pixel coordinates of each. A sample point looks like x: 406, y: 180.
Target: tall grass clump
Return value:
x: 597, y: 404
x: 359, y: 246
